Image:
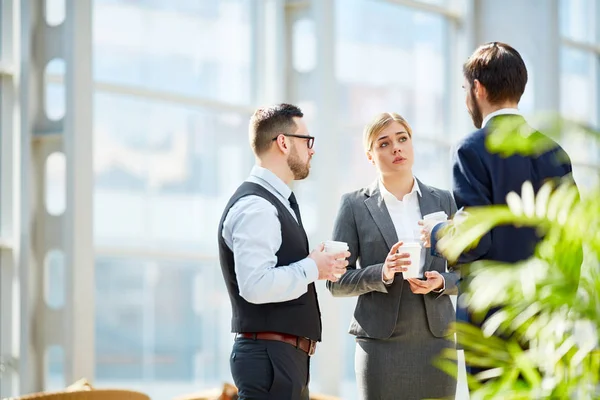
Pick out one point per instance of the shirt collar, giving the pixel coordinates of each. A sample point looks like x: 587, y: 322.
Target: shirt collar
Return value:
x: 502, y: 111
x: 272, y: 179
x: 388, y: 196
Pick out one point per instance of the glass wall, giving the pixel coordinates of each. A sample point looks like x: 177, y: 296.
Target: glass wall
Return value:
x: 392, y: 58
x: 174, y: 92
x: 579, y: 84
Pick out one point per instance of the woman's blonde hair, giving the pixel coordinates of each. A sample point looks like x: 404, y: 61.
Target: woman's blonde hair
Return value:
x: 377, y: 124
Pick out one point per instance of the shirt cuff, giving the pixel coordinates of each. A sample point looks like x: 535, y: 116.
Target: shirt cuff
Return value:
x: 311, y: 271
x: 384, y: 281
x: 443, y: 286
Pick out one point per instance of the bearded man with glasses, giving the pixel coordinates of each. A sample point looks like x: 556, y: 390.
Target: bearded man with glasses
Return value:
x: 268, y: 270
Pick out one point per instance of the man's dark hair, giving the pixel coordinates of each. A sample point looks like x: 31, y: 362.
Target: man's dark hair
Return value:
x: 499, y: 68
x: 267, y: 123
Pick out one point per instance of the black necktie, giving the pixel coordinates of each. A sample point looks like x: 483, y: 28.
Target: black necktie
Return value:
x: 294, y: 205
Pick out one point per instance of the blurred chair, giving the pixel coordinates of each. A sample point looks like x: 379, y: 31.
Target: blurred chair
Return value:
x: 82, y: 390
x: 98, y: 394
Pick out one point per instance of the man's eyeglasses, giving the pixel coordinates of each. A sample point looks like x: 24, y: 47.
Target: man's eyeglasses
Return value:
x: 310, y: 142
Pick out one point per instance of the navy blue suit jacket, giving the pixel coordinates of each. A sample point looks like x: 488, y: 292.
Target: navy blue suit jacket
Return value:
x: 482, y: 178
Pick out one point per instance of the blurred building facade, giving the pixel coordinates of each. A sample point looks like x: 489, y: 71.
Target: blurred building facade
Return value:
x: 128, y: 209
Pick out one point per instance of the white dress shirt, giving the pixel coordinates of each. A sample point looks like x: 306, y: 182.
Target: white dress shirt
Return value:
x: 405, y: 215
x: 502, y: 111
x: 253, y: 233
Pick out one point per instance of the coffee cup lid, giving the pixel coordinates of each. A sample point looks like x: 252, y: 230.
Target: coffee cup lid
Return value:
x: 410, y: 244
x: 333, y: 243
x: 436, y: 215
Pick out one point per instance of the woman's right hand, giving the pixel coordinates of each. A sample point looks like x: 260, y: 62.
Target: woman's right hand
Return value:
x: 394, y: 262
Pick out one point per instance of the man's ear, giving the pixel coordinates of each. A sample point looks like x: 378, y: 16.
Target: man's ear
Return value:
x: 479, y: 90
x: 282, y: 144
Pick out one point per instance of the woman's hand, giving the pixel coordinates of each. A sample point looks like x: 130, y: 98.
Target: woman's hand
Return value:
x: 435, y: 281
x: 394, y: 262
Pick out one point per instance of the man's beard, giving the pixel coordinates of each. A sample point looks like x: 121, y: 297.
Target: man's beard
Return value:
x: 298, y: 168
x: 475, y: 112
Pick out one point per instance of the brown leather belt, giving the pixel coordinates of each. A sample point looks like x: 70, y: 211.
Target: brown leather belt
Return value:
x: 302, y: 343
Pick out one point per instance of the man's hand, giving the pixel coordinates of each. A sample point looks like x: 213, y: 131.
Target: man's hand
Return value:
x: 394, y: 262
x: 428, y: 225
x: 329, y: 264
x: 426, y: 228
x: 435, y: 281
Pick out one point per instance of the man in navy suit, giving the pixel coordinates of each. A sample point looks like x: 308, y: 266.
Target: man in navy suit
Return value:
x: 494, y: 80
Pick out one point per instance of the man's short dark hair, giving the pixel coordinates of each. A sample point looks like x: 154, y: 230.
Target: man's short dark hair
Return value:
x: 267, y: 123
x: 499, y: 68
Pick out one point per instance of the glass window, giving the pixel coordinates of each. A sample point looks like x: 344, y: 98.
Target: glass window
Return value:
x: 579, y: 100
x: 391, y: 58
x: 345, y: 364
x: 586, y: 177
x: 172, y: 46
x: 578, y: 76
x: 161, y: 326
x: 54, y: 369
x: 388, y: 58
x: 1, y: 32
x: 437, y: 2
x: 578, y: 20
x: 432, y: 163
x: 55, y: 11
x: 2, y: 151
x: 162, y: 169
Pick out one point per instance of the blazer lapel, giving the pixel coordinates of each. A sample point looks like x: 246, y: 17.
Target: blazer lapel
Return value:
x: 381, y: 216
x: 429, y: 203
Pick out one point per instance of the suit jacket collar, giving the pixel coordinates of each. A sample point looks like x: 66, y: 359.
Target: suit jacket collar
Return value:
x: 380, y: 214
x: 429, y: 202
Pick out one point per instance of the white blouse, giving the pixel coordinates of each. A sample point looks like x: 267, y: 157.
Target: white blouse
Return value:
x: 405, y: 215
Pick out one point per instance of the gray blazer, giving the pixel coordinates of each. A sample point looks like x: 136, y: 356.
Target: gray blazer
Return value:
x: 364, y: 223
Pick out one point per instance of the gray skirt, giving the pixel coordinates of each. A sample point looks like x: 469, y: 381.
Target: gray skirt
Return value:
x: 400, y: 368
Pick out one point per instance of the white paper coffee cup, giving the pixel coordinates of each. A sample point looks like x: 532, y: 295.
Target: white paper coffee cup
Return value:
x: 414, y: 251
x: 331, y: 246
x: 436, y: 216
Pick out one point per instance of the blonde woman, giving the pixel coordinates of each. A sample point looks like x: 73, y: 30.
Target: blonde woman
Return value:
x: 400, y: 325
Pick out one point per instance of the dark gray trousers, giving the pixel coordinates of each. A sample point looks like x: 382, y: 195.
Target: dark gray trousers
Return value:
x: 269, y: 370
